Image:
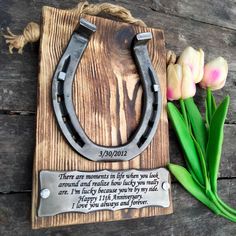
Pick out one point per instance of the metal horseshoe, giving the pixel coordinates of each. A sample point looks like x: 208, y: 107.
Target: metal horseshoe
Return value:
x: 64, y: 108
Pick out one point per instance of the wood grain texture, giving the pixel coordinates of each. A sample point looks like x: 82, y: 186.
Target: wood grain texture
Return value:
x: 221, y: 13
x: 16, y: 150
x: 107, y: 98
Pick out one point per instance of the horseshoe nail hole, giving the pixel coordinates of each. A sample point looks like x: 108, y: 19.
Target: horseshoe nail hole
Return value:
x: 141, y: 141
x: 60, y: 87
x: 150, y: 123
x: 154, y: 106
x: 78, y: 140
x: 65, y: 118
x: 64, y: 111
x: 72, y: 131
x: 147, y: 132
x: 74, y: 135
x: 155, y: 97
x: 60, y: 98
x: 153, y: 117
x: 66, y: 65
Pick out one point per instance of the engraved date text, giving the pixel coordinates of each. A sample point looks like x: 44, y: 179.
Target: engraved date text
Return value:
x: 112, y: 153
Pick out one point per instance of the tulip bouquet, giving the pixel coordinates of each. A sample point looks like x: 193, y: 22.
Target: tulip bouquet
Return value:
x: 201, y: 139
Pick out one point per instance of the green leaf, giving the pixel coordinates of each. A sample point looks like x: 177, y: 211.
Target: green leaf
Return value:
x: 203, y: 164
x: 184, y: 112
x: 186, y: 180
x: 185, y: 141
x: 211, y: 105
x: 197, y: 123
x: 215, y: 141
x: 192, y: 174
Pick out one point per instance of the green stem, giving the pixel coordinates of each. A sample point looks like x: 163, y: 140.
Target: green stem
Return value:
x: 226, y: 206
x: 223, y: 211
x: 184, y: 112
x: 209, y: 105
x: 227, y: 217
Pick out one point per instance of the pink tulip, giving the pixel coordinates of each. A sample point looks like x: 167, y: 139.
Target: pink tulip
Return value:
x: 180, y: 83
x: 215, y: 74
x: 195, y: 60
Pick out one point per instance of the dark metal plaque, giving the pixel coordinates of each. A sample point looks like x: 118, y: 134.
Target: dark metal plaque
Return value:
x: 85, y: 192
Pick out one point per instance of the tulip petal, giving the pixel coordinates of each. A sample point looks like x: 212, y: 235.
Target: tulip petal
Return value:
x: 219, y: 86
x: 195, y: 60
x: 174, y: 77
x: 215, y: 74
x: 188, y: 85
x: 201, y: 67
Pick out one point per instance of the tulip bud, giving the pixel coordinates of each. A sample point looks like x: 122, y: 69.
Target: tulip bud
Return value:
x: 180, y: 82
x: 215, y: 74
x: 188, y: 84
x: 195, y: 60
x: 174, y: 77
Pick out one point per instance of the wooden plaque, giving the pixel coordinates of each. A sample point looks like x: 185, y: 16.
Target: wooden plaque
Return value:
x: 107, y: 97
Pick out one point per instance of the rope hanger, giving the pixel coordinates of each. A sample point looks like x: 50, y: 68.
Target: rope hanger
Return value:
x: 31, y: 32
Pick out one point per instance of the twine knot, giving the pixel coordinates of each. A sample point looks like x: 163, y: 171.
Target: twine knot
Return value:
x: 31, y: 34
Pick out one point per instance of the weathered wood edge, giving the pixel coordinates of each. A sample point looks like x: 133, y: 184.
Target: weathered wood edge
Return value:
x: 221, y: 13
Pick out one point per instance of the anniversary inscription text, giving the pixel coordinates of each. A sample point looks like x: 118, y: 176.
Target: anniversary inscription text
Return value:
x: 102, y: 190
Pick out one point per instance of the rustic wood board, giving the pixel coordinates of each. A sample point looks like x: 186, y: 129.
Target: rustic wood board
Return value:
x: 107, y: 98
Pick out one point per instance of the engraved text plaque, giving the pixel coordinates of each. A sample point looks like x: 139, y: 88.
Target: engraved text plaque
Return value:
x: 76, y: 191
